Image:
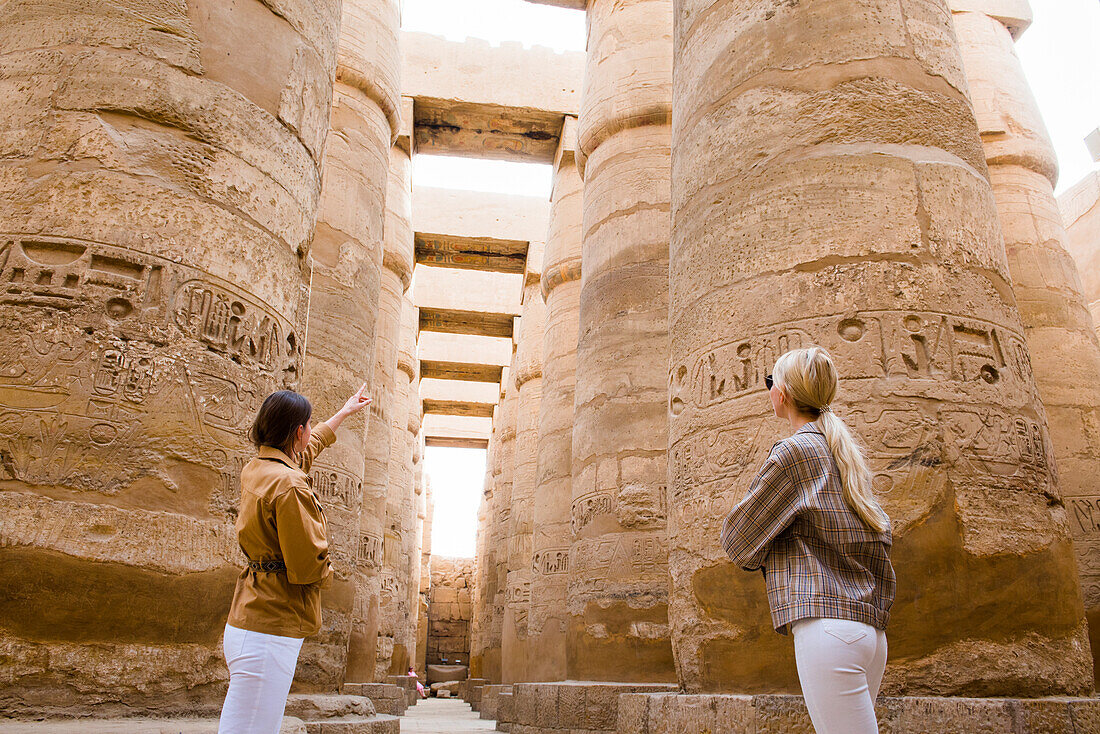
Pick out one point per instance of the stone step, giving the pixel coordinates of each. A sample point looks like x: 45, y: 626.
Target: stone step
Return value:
x: 387, y: 697
x: 291, y: 725
x: 377, y: 724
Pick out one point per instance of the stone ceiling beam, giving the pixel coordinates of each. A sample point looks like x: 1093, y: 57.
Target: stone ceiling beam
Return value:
x: 464, y: 371
x: 476, y: 99
x: 457, y: 431
x: 453, y: 321
x: 459, y: 407
x: 471, y: 253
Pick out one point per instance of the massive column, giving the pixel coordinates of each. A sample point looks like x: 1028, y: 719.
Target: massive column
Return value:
x: 343, y: 305
x: 1059, y: 330
x: 561, y: 287
x: 427, y: 512
x: 386, y: 406
x: 503, y: 468
x: 528, y: 383
x: 618, y: 578
x: 485, y: 554
x: 159, y: 180
x: 393, y: 647
x: 829, y: 187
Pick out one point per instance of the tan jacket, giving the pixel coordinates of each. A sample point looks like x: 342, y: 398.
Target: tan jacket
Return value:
x: 281, y: 519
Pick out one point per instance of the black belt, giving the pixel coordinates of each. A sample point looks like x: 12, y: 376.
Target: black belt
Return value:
x: 268, y: 566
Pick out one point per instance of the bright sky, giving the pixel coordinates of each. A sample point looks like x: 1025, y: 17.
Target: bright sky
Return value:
x: 1060, y: 54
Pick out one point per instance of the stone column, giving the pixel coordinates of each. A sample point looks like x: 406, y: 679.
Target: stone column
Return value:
x: 159, y: 182
x: 527, y: 376
x: 428, y: 512
x: 393, y: 652
x: 409, y: 570
x: 492, y: 661
x: 396, y: 274
x: 856, y: 215
x: 1065, y: 354
x: 344, y: 298
x: 484, y: 553
x: 618, y: 579
x: 561, y: 287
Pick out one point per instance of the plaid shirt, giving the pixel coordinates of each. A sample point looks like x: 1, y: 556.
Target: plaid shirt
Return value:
x: 820, y: 558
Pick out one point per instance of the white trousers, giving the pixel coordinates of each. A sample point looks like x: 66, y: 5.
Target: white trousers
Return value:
x: 261, y: 668
x: 840, y: 665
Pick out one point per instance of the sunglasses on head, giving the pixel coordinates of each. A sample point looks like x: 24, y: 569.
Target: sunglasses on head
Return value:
x: 768, y: 381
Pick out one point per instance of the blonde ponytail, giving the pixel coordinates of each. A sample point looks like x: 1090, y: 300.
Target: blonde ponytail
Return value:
x: 809, y: 378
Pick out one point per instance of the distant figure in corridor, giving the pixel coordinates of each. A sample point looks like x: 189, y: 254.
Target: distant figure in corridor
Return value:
x: 281, y: 529
x: 811, y: 523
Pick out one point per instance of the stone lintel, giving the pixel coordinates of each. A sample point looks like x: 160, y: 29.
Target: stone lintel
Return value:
x: 480, y: 214
x: 491, y: 101
x: 471, y: 253
x: 785, y: 714
x: 567, y: 143
x: 1015, y: 15
x: 457, y: 431
x: 459, y: 407
x: 451, y: 321
x: 467, y: 371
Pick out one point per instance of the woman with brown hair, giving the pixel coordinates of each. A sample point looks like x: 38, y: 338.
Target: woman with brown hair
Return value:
x: 812, y: 523
x: 281, y: 529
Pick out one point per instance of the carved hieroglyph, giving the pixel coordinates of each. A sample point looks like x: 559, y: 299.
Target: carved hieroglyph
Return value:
x: 396, y: 273
x: 618, y: 574
x: 561, y: 285
x: 484, y: 585
x: 342, y: 335
x: 1057, y: 324
x: 830, y: 188
x: 158, y: 191
x: 528, y: 381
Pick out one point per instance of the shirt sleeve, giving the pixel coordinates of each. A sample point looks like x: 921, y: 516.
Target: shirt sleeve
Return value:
x: 302, y: 541
x: 765, y: 512
x: 319, y: 440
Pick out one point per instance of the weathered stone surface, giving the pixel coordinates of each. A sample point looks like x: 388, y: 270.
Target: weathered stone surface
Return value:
x: 449, y: 612
x: 857, y: 215
x: 347, y: 258
x: 490, y: 700
x: 157, y: 204
x: 1080, y: 208
x: 728, y: 714
x: 572, y: 706
x: 310, y: 707
x: 1065, y: 354
x: 387, y: 698
x: 527, y: 378
x: 618, y: 575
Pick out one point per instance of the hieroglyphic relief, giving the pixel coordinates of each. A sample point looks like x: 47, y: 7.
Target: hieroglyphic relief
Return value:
x: 337, y: 486
x: 549, y: 561
x: 915, y: 345
x: 370, y: 551
x: 118, y: 365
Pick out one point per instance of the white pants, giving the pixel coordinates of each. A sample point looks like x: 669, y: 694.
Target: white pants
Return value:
x: 261, y: 668
x: 840, y: 665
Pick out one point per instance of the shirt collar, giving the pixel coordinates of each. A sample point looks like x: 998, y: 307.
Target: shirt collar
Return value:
x: 810, y: 427
x: 270, y: 452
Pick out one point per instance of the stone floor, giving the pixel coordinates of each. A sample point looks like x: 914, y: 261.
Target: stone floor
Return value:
x: 444, y: 716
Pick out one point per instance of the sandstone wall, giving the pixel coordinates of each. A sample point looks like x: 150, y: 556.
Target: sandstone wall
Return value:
x: 159, y: 184
x: 450, y: 610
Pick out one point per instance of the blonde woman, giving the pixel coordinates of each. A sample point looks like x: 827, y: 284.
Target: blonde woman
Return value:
x: 811, y: 523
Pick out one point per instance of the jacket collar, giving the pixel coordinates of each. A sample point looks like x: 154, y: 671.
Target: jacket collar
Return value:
x: 270, y: 452
x: 810, y: 427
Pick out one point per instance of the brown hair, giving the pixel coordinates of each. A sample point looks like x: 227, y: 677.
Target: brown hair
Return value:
x: 278, y: 420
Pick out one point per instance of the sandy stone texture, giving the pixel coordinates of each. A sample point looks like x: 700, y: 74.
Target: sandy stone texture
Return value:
x: 857, y: 215
x: 450, y: 610
x: 618, y: 575
x: 528, y: 382
x: 1065, y: 353
x: 552, y: 535
x: 157, y: 201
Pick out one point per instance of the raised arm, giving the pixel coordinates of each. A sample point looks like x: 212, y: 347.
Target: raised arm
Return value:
x: 325, y: 434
